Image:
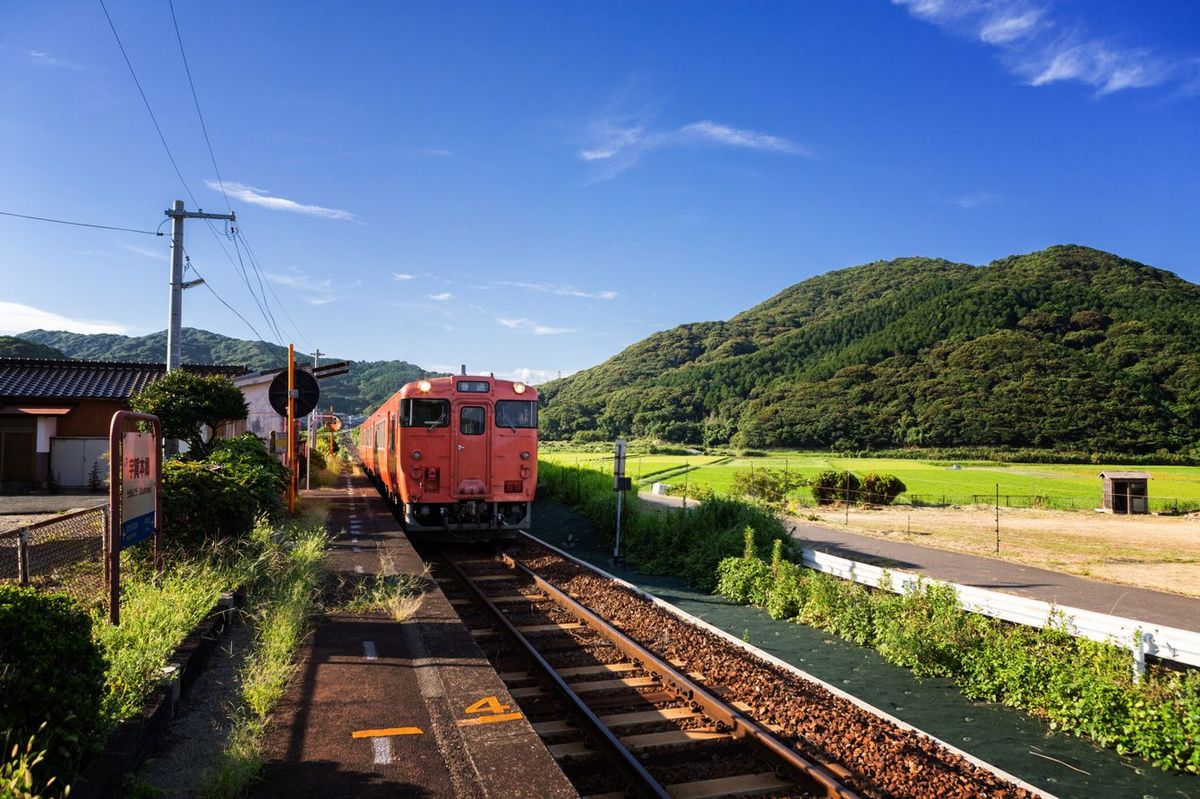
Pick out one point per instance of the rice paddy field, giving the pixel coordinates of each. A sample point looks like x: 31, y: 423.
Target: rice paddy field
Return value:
x: 1059, y: 486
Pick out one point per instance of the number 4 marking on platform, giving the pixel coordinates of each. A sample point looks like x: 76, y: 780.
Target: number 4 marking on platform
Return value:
x: 489, y: 704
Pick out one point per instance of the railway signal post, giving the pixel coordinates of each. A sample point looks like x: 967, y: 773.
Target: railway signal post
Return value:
x: 621, y: 484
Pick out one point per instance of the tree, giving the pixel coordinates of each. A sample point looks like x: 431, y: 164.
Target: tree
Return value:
x: 184, y: 402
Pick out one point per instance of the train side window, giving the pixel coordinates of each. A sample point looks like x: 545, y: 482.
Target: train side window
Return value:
x: 516, y: 413
x: 471, y: 420
x: 424, y: 413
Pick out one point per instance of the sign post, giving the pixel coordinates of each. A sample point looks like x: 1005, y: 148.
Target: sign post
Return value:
x: 134, y: 497
x: 621, y: 484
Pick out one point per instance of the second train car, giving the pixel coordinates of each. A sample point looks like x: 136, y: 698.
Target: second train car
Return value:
x: 456, y: 456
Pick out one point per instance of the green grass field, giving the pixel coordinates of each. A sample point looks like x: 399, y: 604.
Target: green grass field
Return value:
x: 930, y: 482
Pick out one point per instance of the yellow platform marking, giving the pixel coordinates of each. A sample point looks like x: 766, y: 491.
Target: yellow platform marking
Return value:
x: 489, y: 704
x: 386, y: 732
x: 489, y: 719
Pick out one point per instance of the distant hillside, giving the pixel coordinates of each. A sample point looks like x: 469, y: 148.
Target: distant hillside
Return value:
x: 13, y: 347
x: 364, y: 387
x: 1069, y: 347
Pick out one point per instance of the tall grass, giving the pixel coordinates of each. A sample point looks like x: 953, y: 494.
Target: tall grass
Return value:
x: 282, y: 600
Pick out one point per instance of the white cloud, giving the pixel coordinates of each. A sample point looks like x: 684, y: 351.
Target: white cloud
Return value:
x: 249, y: 194
x: 18, y: 318
x: 47, y: 60
x: 1043, y: 49
x: 316, y: 291
x: 616, y: 142
x: 146, y: 251
x: 535, y: 328
x: 443, y: 297
x: 437, y: 152
x: 530, y: 376
x: 974, y: 200
x: 402, y: 276
x: 560, y: 290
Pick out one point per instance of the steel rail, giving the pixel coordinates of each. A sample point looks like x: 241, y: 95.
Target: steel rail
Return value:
x: 734, y: 722
x: 628, y: 762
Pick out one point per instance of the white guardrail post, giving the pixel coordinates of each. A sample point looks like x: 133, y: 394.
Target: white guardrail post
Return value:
x: 1140, y: 637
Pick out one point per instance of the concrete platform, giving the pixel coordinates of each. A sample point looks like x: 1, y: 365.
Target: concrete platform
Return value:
x: 1159, y: 607
x: 386, y: 708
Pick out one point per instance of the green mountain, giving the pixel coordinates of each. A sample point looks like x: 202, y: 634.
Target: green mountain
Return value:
x: 13, y: 347
x: 1065, y: 348
x: 362, y: 389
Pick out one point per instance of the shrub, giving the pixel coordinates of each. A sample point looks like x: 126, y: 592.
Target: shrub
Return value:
x: 221, y: 497
x: 832, y: 486
x: 50, y: 672
x: 882, y: 489
x: 769, y: 485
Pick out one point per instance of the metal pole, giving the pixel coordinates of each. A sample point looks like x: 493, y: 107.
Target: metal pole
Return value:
x: 997, y: 518
x: 112, y: 550
x: 23, y: 557
x: 617, y: 544
x: 311, y: 417
x: 291, y: 429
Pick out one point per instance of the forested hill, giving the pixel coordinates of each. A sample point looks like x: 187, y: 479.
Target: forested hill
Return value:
x: 13, y: 347
x: 1065, y: 348
x: 364, y: 387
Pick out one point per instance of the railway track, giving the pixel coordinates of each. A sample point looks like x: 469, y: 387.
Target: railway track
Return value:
x: 666, y: 734
x: 630, y: 699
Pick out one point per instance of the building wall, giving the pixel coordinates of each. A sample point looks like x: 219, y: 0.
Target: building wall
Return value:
x: 90, y: 418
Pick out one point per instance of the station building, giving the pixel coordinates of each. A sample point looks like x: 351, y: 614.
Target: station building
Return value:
x: 55, y: 416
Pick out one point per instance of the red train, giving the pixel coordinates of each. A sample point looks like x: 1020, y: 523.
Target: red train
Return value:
x: 457, y: 456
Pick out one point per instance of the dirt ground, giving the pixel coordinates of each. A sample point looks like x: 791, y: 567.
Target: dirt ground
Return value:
x: 1156, y: 552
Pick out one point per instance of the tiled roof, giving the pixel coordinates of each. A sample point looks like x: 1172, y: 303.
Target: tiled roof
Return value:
x: 34, y: 378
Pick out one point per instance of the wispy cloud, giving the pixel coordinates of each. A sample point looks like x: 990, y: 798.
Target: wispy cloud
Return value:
x: 616, y: 142
x: 535, y: 328
x: 249, y: 194
x: 403, y: 276
x: 437, y: 152
x: 45, y: 59
x: 18, y: 318
x: 975, y: 199
x: 146, y: 251
x: 316, y: 291
x: 1043, y: 48
x: 445, y: 296
x: 560, y: 290
x: 530, y: 376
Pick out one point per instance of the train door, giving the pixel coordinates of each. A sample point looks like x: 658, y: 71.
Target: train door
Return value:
x: 392, y: 445
x: 471, y: 477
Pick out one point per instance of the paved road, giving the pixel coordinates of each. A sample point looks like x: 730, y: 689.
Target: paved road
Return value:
x: 1158, y: 607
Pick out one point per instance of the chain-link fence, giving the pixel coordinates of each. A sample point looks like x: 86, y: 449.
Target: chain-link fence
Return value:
x: 59, y: 554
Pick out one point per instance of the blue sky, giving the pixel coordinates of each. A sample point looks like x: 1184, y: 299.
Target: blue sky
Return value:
x: 530, y: 187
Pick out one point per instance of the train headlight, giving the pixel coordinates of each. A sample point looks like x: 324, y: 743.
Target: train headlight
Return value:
x: 519, y: 388
x: 525, y: 455
x: 416, y: 454
x: 424, y: 386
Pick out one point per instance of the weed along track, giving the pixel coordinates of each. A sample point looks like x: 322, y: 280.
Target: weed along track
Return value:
x: 629, y: 696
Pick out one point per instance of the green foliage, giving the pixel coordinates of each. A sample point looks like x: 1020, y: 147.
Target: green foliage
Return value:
x: 882, y: 489
x: 14, y: 347
x: 21, y: 773
x: 50, y: 673
x: 687, y: 544
x: 767, y: 484
x: 222, y: 496
x: 832, y: 486
x: 1079, y: 686
x: 185, y: 401
x: 920, y: 352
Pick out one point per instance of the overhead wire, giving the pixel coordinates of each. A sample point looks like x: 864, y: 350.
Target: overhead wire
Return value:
x: 80, y: 224
x: 241, y: 234
x: 175, y: 165
x: 188, y: 263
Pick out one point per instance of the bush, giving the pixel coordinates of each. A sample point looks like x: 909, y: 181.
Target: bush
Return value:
x: 833, y: 486
x: 223, y: 495
x: 882, y: 489
x: 769, y: 485
x: 50, y: 672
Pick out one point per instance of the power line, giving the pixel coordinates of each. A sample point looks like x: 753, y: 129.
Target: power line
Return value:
x: 220, y: 299
x: 266, y: 305
x: 149, y: 110
x: 196, y: 100
x: 254, y: 262
x: 79, y: 224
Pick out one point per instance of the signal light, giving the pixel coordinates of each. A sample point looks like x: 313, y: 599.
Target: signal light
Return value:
x: 519, y: 388
x: 424, y: 386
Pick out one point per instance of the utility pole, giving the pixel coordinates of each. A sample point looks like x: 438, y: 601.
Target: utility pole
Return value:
x: 175, y: 326
x: 311, y: 440
x: 291, y: 430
